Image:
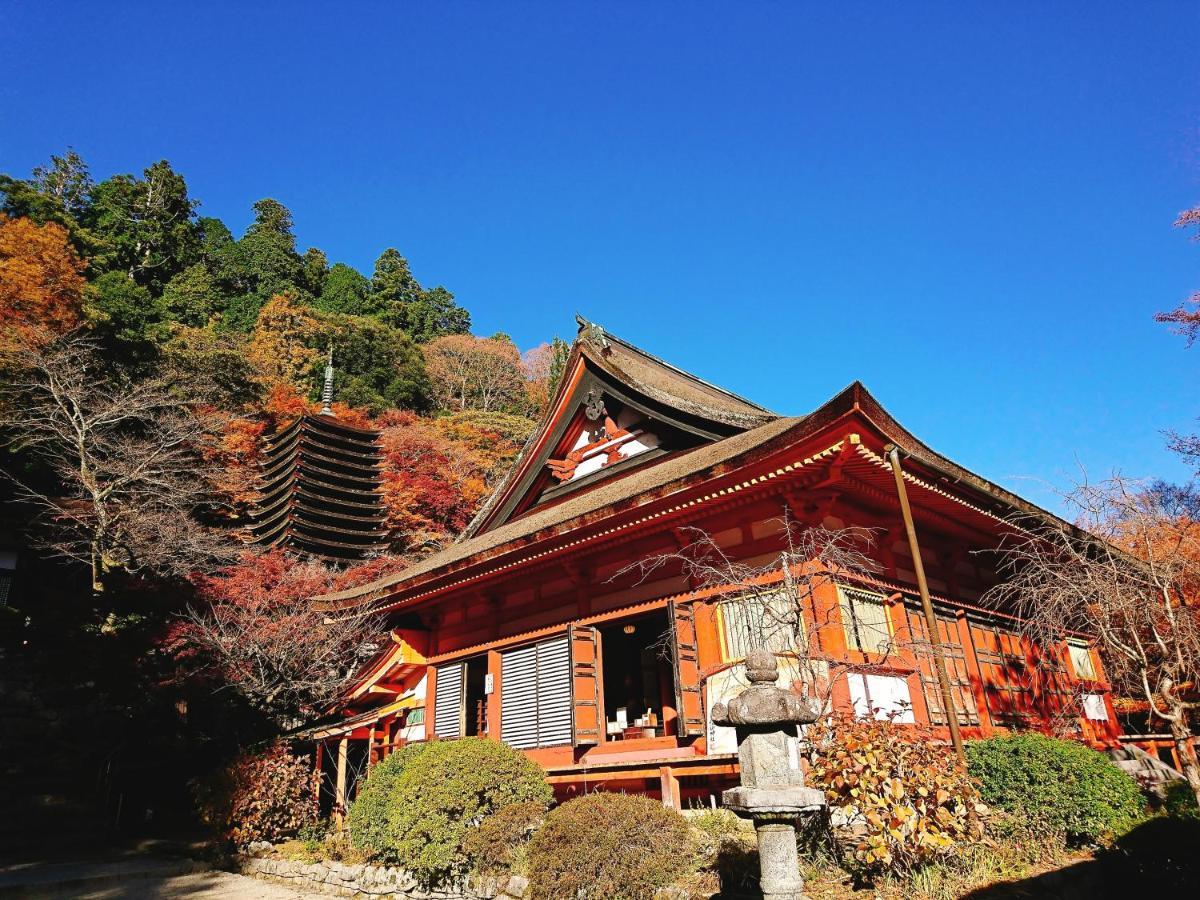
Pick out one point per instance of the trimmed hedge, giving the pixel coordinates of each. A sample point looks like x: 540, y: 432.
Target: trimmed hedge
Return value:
x: 421, y: 807
x: 608, y: 847
x: 1059, y: 786
x: 496, y: 844
x: 367, y: 818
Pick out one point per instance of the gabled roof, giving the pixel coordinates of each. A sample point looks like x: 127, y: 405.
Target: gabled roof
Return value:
x: 602, y: 364
x: 688, y: 470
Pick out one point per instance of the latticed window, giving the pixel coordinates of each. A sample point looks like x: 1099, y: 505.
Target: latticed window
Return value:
x: 535, y: 694
x: 752, y: 621
x: 865, y: 620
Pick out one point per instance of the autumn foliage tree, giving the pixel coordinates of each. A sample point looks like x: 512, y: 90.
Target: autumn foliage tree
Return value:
x: 436, y: 472
x: 256, y: 630
x: 41, y: 281
x: 468, y: 372
x: 1130, y: 580
x: 282, y: 347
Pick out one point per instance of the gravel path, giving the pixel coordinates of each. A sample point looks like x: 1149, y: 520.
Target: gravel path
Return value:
x: 199, y: 886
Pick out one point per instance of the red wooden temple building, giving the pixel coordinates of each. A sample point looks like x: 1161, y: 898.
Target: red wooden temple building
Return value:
x: 531, y: 628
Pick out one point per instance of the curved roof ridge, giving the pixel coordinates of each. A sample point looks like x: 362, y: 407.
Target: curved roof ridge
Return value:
x: 587, y: 329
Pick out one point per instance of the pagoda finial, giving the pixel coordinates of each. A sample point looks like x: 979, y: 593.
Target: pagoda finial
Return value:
x: 327, y: 392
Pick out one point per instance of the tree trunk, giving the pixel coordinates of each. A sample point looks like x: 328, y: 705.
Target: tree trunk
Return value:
x: 1186, y: 748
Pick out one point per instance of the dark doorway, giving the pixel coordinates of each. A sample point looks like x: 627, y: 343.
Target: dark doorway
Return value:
x: 638, y: 677
x: 475, y: 714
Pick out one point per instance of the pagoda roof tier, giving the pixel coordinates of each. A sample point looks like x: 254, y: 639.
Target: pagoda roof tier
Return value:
x: 296, y: 515
x: 333, y: 536
x: 368, y: 476
x: 364, y: 438
x: 320, y: 490
x: 332, y: 449
x: 303, y: 491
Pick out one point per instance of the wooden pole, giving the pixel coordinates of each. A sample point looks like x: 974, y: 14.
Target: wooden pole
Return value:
x: 935, y: 640
x: 317, y: 780
x: 340, y: 795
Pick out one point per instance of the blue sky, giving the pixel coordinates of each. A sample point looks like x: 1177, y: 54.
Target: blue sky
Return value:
x: 968, y: 208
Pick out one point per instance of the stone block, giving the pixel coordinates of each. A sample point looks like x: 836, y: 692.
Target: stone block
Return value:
x: 517, y: 886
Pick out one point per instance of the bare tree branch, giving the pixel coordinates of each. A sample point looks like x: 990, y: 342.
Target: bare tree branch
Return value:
x: 129, y: 475
x: 1129, y: 583
x: 782, y: 593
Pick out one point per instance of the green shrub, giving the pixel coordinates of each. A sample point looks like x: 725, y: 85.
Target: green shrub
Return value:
x: 1061, y: 787
x: 725, y: 852
x: 714, y: 827
x: 423, y: 804
x: 262, y: 796
x: 1179, y: 800
x: 608, y: 847
x: 367, y: 818
x: 497, y: 843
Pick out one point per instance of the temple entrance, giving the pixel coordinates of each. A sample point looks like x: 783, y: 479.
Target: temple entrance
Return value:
x: 475, y: 697
x: 639, y: 678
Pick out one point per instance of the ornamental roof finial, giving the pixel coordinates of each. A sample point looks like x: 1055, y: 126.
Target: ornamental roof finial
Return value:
x: 592, y: 332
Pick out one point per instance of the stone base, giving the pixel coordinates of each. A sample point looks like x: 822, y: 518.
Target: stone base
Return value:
x: 779, y: 866
x: 773, y: 803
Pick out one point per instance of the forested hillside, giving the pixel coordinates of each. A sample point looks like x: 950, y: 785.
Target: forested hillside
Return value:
x: 146, y: 350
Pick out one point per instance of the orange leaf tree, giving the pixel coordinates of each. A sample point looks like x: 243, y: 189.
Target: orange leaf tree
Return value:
x: 475, y: 373
x: 41, y: 280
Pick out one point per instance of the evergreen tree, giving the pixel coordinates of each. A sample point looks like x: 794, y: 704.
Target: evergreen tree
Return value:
x: 127, y: 319
x: 145, y: 227
x: 404, y: 304
x: 66, y: 180
x: 316, y: 270
x: 262, y: 264
x: 60, y: 192
x: 376, y: 367
x: 346, y: 291
x: 193, y: 296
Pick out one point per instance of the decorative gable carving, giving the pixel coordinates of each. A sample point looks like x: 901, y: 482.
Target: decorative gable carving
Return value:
x: 607, y: 444
x: 616, y: 408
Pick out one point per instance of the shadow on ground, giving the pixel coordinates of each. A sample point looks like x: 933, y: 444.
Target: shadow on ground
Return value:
x: 1159, y: 855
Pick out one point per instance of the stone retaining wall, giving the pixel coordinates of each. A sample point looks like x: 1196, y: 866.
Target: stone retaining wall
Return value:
x: 343, y: 880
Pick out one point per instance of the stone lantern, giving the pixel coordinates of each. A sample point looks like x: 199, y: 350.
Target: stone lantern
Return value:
x: 772, y: 793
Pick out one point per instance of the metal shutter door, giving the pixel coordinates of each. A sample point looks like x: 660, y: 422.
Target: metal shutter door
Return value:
x: 518, y: 697
x: 554, y: 692
x: 448, y: 700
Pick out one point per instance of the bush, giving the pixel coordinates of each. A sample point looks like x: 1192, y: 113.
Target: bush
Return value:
x: 367, y: 818
x: 496, y: 844
x: 608, y: 847
x: 908, y: 800
x: 262, y: 796
x: 1060, y: 787
x: 423, y: 804
x: 1179, y: 800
